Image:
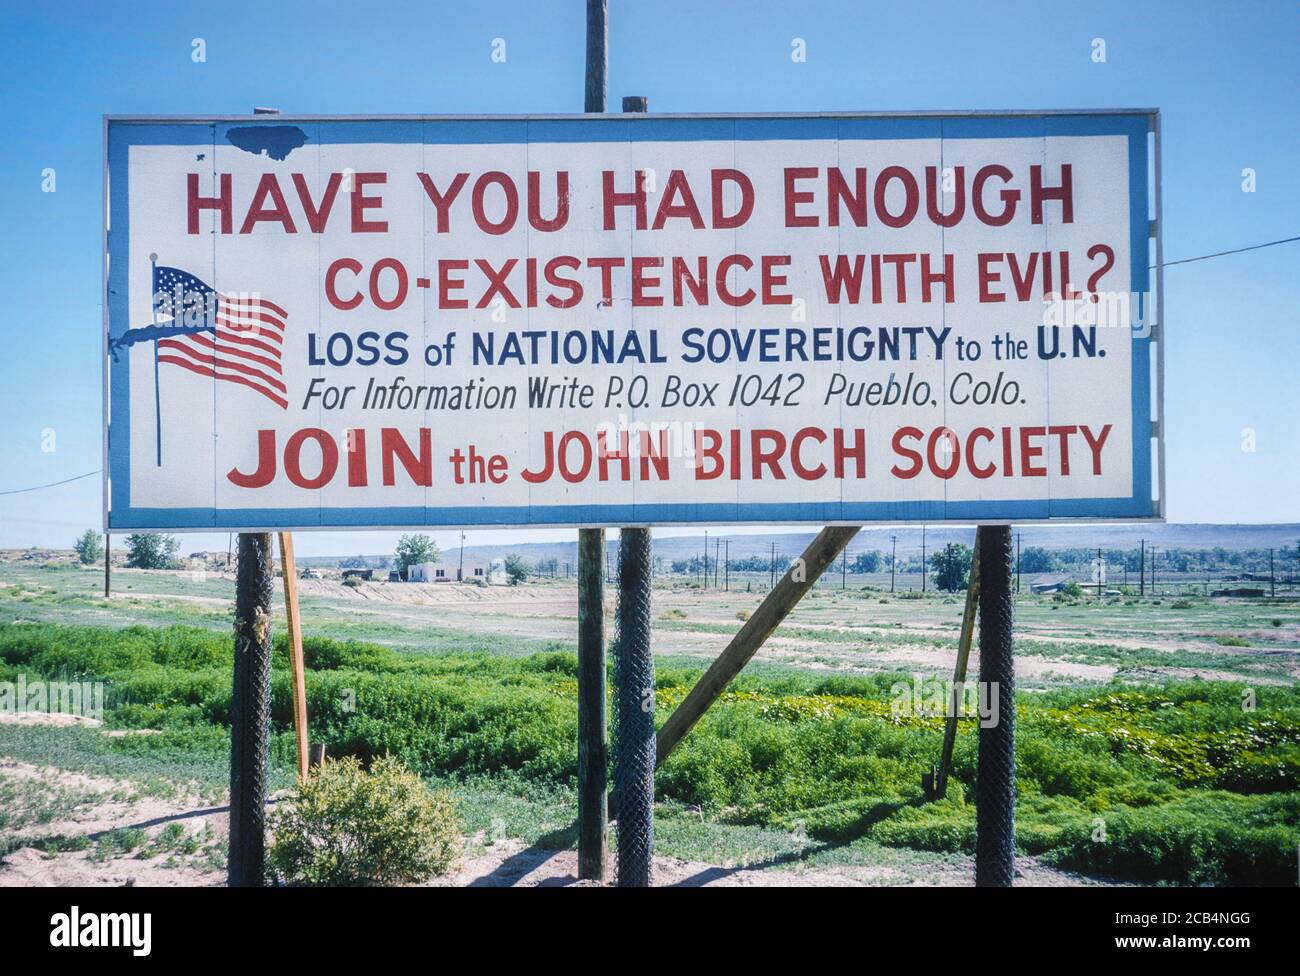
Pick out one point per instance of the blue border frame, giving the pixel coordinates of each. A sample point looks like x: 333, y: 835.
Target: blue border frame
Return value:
x: 122, y: 134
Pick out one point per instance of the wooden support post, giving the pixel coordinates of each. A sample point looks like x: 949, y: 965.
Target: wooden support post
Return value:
x: 776, y: 606
x: 250, y: 710
x: 593, y: 738
x: 597, y: 81
x: 593, y: 742
x: 108, y: 564
x: 995, y: 774
x: 297, y: 667
x: 940, y: 780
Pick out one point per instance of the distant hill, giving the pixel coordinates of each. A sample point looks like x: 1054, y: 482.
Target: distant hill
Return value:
x: 1062, y: 536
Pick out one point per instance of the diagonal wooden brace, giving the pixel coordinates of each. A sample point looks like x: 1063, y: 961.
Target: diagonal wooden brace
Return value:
x: 776, y: 606
x: 940, y: 777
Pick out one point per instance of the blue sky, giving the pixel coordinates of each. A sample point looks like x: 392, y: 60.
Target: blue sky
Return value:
x: 1226, y: 76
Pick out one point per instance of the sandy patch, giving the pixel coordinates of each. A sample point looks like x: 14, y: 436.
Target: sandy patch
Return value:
x: 510, y: 864
x: 108, y: 803
x: 58, y: 719
x: 30, y: 868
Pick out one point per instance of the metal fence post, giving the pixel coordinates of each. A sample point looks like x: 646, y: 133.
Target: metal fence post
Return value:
x: 995, y: 776
x: 634, y: 773
x: 250, y: 710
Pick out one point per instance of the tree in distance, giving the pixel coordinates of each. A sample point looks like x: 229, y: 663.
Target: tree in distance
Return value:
x: 867, y: 562
x: 516, y: 569
x: 89, y: 547
x: 151, y: 550
x: 414, y: 549
x: 951, y: 567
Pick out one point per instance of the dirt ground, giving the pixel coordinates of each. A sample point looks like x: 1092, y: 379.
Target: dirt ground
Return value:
x: 115, y: 805
x: 508, y: 864
x: 102, y: 805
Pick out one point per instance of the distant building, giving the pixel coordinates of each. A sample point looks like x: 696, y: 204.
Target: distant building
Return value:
x: 445, y: 572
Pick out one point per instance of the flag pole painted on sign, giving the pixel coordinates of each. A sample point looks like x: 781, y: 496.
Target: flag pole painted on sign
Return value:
x: 157, y: 391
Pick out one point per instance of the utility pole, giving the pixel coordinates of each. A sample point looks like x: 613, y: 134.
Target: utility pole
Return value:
x: 1272, y: 580
x: 704, y: 580
x: 726, y: 576
x: 1142, y: 568
x: 893, y: 560
x: 634, y: 769
x: 923, y: 559
x: 1101, y: 571
x: 593, y: 737
x: 460, y: 571
x: 1154, y: 590
x: 108, y: 564
x: 717, y: 546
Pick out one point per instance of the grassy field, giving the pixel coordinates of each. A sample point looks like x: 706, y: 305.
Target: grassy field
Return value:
x: 1159, y: 740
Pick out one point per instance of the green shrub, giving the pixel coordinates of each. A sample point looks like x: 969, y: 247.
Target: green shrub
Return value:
x: 348, y: 827
x: 823, y: 754
x: 1200, y: 837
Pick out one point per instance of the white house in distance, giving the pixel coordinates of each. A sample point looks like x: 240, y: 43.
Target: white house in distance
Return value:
x: 447, y: 572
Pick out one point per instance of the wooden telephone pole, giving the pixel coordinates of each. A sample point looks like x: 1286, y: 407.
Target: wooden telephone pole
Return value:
x: 634, y: 771
x: 593, y: 738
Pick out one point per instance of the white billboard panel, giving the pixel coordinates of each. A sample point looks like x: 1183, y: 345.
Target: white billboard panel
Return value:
x: 623, y: 320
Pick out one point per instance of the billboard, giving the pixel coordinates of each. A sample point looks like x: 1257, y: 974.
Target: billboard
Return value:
x: 630, y: 320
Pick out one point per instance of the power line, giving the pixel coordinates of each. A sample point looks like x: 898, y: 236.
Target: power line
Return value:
x: 1219, y: 254
x: 52, y: 484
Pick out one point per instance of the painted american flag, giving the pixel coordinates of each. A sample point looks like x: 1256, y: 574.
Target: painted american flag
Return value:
x: 231, y: 337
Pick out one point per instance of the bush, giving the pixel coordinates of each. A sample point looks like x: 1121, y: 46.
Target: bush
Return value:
x: 151, y: 550
x: 349, y: 827
x: 89, y: 547
x: 516, y: 569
